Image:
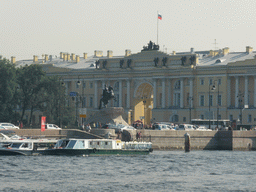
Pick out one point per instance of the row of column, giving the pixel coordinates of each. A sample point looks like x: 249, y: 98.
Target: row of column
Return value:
x: 239, y: 95
x: 169, y: 93
x: 163, y: 105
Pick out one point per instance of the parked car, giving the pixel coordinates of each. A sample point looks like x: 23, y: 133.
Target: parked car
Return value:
x: 202, y: 128
x: 187, y: 127
x: 1, y: 127
x: 119, y: 127
x: 8, y: 126
x: 161, y: 127
x: 52, y: 126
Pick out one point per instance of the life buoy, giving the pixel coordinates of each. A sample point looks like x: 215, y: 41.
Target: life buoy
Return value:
x: 94, y: 150
x: 150, y: 150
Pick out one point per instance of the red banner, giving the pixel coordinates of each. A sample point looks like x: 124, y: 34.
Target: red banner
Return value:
x: 43, y: 122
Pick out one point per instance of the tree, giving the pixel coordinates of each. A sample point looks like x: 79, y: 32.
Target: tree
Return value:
x: 29, y: 79
x: 7, y: 90
x: 55, y: 108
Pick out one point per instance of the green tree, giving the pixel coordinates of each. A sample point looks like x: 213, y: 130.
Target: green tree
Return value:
x: 30, y: 79
x: 55, y: 108
x: 7, y: 90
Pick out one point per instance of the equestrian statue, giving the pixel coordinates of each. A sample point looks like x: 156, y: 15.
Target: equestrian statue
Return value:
x: 107, y: 95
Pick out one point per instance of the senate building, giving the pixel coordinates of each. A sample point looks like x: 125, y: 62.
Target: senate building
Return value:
x: 155, y: 86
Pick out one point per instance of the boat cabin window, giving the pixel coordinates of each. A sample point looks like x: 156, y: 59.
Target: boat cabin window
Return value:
x: 25, y: 145
x: 106, y: 143
x: 16, y: 145
x: 98, y: 143
x: 71, y: 144
x: 91, y: 143
x: 64, y: 143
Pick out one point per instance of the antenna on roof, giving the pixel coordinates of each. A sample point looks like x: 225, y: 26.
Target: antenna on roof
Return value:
x: 215, y: 43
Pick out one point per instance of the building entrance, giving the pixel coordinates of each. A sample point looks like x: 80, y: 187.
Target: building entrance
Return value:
x: 143, y: 103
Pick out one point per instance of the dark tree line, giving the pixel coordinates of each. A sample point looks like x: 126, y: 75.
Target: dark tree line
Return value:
x: 29, y: 88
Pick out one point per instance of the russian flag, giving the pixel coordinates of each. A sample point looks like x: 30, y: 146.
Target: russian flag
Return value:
x: 159, y: 16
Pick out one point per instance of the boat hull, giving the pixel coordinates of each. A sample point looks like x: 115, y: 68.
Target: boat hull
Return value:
x: 96, y: 152
x: 6, y: 152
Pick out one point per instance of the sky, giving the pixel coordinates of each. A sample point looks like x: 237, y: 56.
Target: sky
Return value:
x: 36, y: 27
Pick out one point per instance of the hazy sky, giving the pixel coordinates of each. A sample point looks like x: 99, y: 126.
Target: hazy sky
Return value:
x: 36, y: 27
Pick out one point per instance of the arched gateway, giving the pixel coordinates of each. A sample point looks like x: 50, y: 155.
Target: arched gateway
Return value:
x: 143, y: 102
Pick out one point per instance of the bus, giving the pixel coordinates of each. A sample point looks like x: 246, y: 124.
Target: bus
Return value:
x: 222, y: 123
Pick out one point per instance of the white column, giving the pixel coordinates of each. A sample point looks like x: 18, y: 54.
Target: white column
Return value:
x: 181, y: 93
x: 191, y: 93
x: 120, y: 93
x: 228, y: 92
x: 163, y: 93
x: 128, y: 93
x: 169, y: 93
x: 246, y: 82
x: 254, y: 96
x: 96, y: 94
x: 236, y: 93
x: 154, y: 99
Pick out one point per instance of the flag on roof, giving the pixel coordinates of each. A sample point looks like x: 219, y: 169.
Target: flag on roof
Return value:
x: 159, y: 16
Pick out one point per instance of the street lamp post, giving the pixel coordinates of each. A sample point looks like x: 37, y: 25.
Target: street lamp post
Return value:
x: 61, y: 83
x: 144, y: 103
x: 77, y: 101
x: 218, y: 106
x: 210, y: 88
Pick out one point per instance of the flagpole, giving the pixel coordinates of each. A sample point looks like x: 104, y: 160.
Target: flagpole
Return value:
x: 157, y: 29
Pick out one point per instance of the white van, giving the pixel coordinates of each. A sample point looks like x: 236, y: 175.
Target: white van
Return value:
x: 187, y: 127
x: 52, y: 126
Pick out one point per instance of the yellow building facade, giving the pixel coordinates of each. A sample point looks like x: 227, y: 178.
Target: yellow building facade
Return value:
x: 154, y: 86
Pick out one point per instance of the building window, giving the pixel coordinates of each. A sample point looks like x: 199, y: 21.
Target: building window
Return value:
x: 91, y: 85
x: 91, y: 101
x: 231, y: 117
x: 210, y: 81
x: 125, y: 100
x: 84, y: 84
x: 210, y: 99
x: 160, y: 99
x: 249, y: 118
x: 116, y: 101
x: 219, y: 81
x: 219, y: 116
x: 184, y: 119
x: 77, y: 85
x: 84, y: 102
x: 201, y: 100
x: 202, y: 116
x: 219, y: 100
x: 201, y: 81
x: 175, y: 118
x: 177, y: 85
x: 177, y: 99
x: 116, y: 86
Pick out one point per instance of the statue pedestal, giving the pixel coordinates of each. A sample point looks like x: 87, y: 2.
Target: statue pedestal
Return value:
x: 111, y: 115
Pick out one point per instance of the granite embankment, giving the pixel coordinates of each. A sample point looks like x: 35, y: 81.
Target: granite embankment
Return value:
x: 164, y: 140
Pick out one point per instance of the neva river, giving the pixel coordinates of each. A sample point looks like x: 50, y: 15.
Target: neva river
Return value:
x: 159, y: 171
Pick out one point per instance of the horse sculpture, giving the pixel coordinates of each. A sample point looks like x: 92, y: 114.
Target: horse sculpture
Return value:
x: 108, y: 94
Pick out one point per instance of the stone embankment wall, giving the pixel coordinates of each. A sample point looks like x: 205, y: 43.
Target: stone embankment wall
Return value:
x: 201, y: 140
x: 163, y: 140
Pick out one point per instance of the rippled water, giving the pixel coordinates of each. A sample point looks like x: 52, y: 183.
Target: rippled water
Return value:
x: 159, y: 171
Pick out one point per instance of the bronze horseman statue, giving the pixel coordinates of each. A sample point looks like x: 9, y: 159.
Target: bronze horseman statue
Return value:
x: 107, y: 95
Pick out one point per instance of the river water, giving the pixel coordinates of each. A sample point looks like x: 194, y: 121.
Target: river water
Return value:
x: 159, y: 171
